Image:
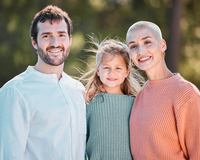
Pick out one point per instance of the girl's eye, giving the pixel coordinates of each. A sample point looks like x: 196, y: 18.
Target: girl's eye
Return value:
x: 118, y: 68
x: 106, y: 68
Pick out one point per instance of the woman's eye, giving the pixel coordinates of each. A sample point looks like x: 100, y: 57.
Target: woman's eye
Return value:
x: 132, y: 46
x: 147, y: 42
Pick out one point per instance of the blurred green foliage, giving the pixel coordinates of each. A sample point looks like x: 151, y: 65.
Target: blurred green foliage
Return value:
x: 101, y: 17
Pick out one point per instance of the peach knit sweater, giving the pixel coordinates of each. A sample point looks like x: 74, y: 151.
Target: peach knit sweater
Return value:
x: 165, y: 121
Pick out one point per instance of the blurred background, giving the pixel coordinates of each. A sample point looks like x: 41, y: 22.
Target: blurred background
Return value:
x: 179, y: 21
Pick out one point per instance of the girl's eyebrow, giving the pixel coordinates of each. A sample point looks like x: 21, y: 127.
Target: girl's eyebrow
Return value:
x: 142, y: 39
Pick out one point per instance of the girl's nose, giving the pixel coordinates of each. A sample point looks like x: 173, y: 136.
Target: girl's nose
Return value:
x: 111, y: 71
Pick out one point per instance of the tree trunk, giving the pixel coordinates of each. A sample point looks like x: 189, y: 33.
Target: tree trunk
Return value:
x: 174, y: 35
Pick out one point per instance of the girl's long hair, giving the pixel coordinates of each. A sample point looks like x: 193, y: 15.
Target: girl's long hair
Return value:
x: 131, y: 85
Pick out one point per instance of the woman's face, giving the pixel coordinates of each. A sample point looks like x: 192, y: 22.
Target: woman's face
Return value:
x: 146, y: 49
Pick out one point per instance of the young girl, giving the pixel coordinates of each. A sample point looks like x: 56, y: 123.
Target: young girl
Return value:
x: 110, y: 95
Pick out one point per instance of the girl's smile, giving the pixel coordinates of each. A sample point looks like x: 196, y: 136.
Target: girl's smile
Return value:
x: 112, y: 72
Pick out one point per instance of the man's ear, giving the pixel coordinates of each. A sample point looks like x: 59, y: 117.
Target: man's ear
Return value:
x: 34, y: 43
x: 70, y: 40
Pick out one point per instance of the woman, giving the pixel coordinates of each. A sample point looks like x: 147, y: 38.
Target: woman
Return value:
x: 165, y: 118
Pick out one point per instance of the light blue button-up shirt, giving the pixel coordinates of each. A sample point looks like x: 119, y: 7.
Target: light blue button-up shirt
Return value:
x: 42, y: 118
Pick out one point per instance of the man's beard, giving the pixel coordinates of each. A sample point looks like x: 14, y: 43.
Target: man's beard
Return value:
x: 48, y: 60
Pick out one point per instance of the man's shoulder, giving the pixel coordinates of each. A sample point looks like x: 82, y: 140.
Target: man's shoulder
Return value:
x: 73, y: 82
x: 15, y: 81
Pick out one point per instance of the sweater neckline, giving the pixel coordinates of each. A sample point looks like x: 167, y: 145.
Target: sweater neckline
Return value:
x: 163, y: 81
x: 112, y: 94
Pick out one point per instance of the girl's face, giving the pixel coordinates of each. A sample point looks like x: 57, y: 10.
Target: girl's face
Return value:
x: 112, y: 72
x: 146, y: 50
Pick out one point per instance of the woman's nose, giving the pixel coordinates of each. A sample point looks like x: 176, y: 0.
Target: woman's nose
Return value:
x: 141, y: 50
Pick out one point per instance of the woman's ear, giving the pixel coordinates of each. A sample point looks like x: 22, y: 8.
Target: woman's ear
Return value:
x: 163, y: 45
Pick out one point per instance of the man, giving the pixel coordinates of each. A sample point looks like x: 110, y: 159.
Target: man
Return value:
x: 42, y: 111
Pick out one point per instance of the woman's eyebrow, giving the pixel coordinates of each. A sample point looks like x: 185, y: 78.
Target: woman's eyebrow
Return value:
x: 146, y: 37
x: 142, y: 39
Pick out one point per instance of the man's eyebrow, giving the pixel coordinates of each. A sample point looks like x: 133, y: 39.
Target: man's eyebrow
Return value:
x: 142, y: 39
x: 46, y: 33
x: 62, y: 32
x: 51, y: 32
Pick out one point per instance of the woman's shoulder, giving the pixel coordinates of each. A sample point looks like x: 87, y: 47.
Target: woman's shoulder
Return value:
x: 183, y: 85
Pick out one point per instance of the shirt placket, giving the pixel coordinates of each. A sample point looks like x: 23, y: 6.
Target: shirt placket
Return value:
x: 70, y: 104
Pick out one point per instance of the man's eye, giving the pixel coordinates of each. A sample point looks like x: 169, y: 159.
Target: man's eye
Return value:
x: 45, y: 36
x: 62, y: 35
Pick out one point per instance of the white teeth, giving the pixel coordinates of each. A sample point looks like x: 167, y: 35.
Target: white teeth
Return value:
x: 55, y: 51
x: 143, y: 59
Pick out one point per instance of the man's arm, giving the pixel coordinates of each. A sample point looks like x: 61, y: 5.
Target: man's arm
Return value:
x: 14, y: 124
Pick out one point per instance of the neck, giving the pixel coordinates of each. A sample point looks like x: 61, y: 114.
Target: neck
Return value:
x: 160, y: 73
x: 113, y: 90
x: 48, y: 69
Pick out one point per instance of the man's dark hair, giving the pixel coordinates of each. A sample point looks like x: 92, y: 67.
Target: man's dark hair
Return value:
x: 50, y: 13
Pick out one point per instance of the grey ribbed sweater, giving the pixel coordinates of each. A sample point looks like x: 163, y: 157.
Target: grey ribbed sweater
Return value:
x: 108, y: 127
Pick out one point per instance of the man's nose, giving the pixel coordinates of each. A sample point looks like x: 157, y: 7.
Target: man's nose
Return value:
x: 55, y: 42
